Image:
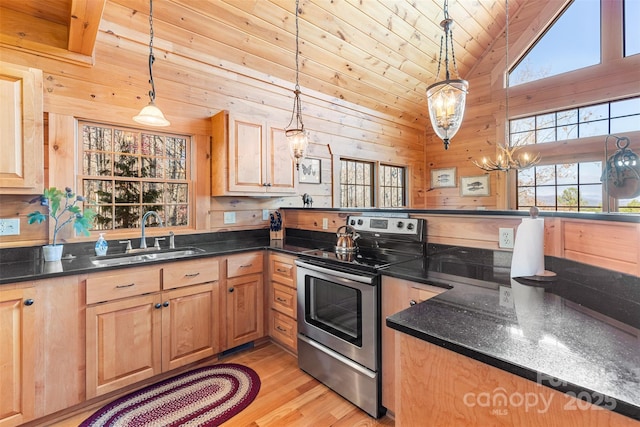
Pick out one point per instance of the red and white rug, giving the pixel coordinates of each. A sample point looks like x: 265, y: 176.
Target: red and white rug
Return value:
x: 206, y: 396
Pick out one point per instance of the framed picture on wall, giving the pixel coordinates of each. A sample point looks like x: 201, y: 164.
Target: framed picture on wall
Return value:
x: 310, y: 171
x: 443, y: 178
x: 474, y: 185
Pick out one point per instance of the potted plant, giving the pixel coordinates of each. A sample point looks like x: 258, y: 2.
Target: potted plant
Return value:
x: 63, y: 208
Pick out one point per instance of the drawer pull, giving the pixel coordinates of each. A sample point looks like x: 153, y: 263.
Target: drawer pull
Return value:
x: 280, y: 299
x: 165, y: 304
x: 28, y: 302
x: 281, y: 270
x: 125, y: 286
x: 192, y: 274
x: 158, y: 305
x: 412, y: 302
x: 246, y: 265
x: 281, y: 329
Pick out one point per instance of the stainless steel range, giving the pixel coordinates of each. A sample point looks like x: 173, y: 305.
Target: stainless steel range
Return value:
x: 339, y: 306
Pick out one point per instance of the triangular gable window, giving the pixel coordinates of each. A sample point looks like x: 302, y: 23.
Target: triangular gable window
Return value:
x: 570, y: 43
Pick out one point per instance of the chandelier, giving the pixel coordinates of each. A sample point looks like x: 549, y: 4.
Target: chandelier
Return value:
x: 509, y: 156
x: 621, y: 171
x: 447, y: 98
x: 295, y: 133
x: 151, y: 115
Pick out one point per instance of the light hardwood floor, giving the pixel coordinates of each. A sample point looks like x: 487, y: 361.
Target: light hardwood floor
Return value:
x: 288, y: 396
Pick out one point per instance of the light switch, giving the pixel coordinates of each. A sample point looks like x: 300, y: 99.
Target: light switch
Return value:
x: 265, y: 214
x: 9, y: 227
x: 229, y: 217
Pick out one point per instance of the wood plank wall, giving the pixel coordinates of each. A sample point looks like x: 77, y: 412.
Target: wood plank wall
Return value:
x: 606, y: 244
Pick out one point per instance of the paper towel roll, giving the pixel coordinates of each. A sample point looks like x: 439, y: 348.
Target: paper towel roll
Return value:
x: 528, y: 249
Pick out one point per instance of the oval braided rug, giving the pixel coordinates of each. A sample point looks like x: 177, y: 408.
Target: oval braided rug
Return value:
x: 206, y: 396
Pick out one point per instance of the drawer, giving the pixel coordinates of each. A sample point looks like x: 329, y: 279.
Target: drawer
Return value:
x: 187, y: 273
x: 283, y: 299
x: 245, y: 263
x: 282, y: 269
x: 125, y: 283
x: 284, y: 330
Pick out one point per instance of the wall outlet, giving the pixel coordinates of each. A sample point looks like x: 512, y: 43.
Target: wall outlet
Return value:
x: 505, y: 237
x: 9, y: 227
x: 265, y: 214
x: 506, y: 297
x: 229, y: 217
x: 325, y: 223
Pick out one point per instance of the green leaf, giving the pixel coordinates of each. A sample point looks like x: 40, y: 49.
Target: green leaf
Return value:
x: 36, y: 216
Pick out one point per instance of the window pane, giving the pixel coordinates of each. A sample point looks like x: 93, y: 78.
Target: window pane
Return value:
x: 568, y: 196
x: 625, y: 124
x: 631, y: 27
x: 546, y: 196
x: 545, y: 175
x: 567, y: 173
x: 625, y: 107
x: 569, y: 44
x: 593, y: 128
x: 594, y: 112
x: 96, y: 138
x: 526, y: 177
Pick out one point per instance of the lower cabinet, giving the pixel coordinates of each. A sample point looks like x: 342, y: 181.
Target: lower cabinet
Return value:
x: 17, y: 356
x: 244, y: 299
x: 397, y: 295
x: 137, y: 337
x: 283, y: 326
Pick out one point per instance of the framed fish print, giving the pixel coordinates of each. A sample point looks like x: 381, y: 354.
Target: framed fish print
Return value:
x: 474, y: 185
x: 310, y: 171
x: 443, y: 178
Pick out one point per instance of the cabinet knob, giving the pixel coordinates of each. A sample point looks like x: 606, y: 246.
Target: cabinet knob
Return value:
x: 158, y: 305
x: 412, y: 302
x: 230, y: 289
x: 165, y: 304
x: 28, y: 302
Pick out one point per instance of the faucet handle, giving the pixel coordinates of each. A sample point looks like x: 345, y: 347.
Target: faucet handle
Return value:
x: 129, y: 248
x: 156, y: 244
x: 172, y: 240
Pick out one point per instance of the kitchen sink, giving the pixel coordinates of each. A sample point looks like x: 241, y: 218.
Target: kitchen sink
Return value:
x: 150, y: 255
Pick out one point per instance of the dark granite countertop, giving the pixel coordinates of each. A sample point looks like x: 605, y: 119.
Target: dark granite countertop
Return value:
x: 577, y: 333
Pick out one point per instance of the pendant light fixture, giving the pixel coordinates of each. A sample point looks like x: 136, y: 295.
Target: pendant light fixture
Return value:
x: 447, y: 98
x: 510, y: 156
x: 621, y: 171
x: 151, y: 114
x: 296, y: 136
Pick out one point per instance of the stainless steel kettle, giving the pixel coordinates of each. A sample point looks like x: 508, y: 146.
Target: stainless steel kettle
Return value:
x: 346, y: 239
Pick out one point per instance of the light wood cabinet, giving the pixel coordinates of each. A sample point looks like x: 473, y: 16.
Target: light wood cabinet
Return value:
x: 17, y: 356
x: 244, y: 298
x: 249, y: 156
x: 144, y: 328
x: 21, y: 130
x: 283, y: 326
x: 397, y: 295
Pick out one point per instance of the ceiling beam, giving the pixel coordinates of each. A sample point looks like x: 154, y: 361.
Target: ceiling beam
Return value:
x: 84, y: 22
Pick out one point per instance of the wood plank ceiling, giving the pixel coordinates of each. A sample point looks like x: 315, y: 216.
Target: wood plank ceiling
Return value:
x: 379, y: 54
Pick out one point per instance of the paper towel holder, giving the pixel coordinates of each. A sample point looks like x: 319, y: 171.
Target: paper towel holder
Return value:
x: 546, y: 275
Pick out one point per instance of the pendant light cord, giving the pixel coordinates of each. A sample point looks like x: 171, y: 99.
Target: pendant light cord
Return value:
x: 152, y: 92
x: 297, y: 106
x: 507, y: 125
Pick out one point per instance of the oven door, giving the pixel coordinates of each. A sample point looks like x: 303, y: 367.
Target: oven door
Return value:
x: 339, y: 310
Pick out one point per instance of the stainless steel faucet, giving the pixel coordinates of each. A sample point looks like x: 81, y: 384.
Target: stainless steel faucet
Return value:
x: 143, y: 240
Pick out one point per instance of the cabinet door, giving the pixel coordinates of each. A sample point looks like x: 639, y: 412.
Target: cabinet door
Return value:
x: 123, y: 343
x: 281, y: 173
x: 189, y: 325
x: 17, y: 356
x: 246, y: 155
x: 21, y: 130
x: 245, y: 310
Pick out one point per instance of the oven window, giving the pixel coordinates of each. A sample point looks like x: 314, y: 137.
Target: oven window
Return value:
x: 334, y: 308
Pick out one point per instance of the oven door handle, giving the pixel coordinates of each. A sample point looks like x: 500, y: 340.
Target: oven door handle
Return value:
x: 338, y: 356
x: 336, y: 273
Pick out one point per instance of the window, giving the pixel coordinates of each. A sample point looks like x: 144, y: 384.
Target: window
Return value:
x: 127, y: 172
x: 358, y: 184
x: 392, y: 186
x: 569, y: 44
x: 562, y: 187
x: 594, y: 120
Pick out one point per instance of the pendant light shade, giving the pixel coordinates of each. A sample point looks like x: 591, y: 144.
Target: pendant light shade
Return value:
x: 296, y: 136
x: 151, y: 114
x: 447, y: 98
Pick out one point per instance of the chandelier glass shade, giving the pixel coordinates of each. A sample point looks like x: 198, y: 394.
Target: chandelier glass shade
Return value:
x: 150, y: 115
x: 447, y: 99
x: 621, y: 171
x: 295, y: 133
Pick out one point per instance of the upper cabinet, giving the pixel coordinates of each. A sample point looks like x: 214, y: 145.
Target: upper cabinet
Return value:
x: 249, y: 157
x: 21, y: 130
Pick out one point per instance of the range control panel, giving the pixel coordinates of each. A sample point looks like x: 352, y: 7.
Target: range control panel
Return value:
x: 387, y: 225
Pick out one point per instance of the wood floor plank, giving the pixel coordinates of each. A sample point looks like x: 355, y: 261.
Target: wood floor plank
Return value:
x: 288, y: 397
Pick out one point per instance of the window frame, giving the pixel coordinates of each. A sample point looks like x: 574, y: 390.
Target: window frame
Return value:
x: 188, y: 180
x: 375, y: 177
